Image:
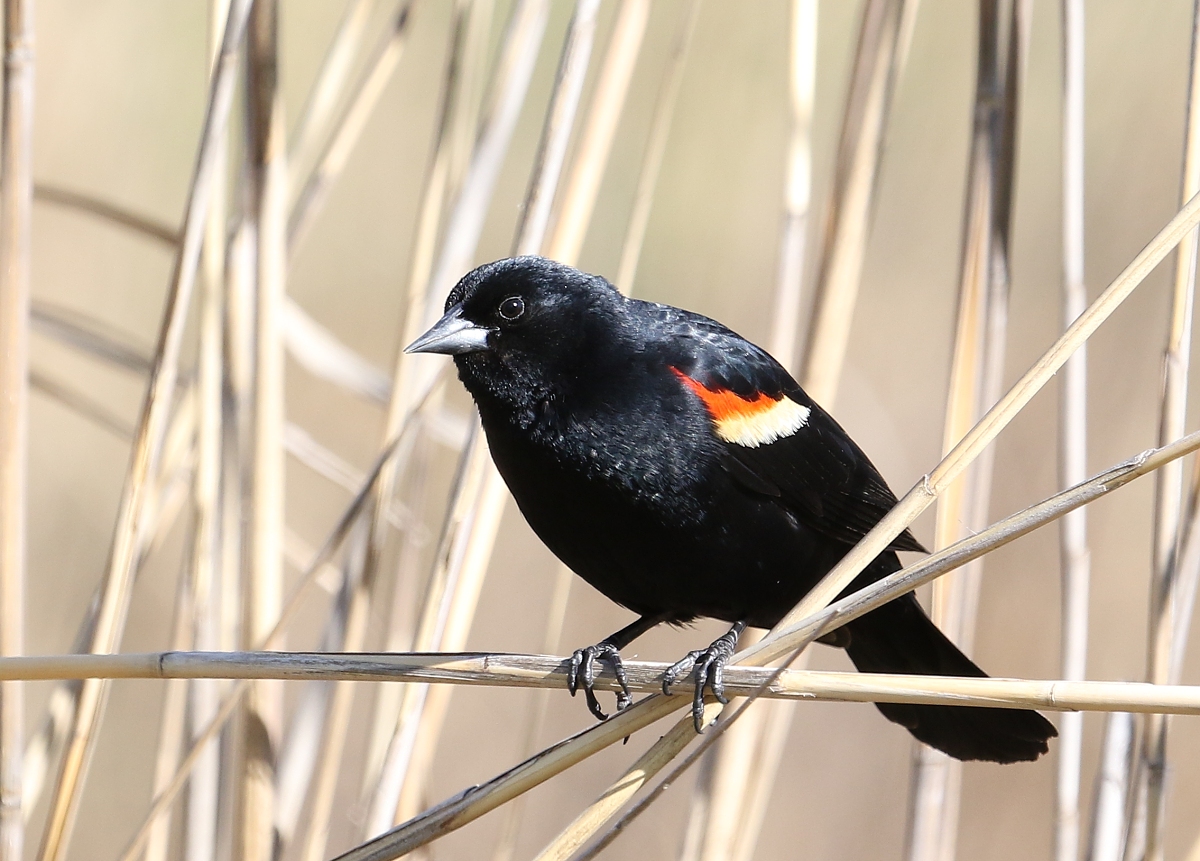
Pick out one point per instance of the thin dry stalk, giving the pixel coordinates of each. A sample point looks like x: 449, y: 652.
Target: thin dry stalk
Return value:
x: 1072, y: 447
x: 565, y: 244
x: 312, y: 574
x: 596, y: 140
x: 265, y: 223
x: 471, y: 85
x: 975, y: 384
x: 172, y: 719
x: 349, y: 128
x: 506, y: 843
x: 560, y: 118
x: 317, y: 114
x: 118, y: 215
x: 201, y: 813
x: 493, y: 669
x: 738, y: 783
x: 151, y: 430
x: 478, y: 502
x: 802, y: 82
x: 16, y: 202
x: 783, y: 639
x: 576, y: 835
x: 848, y: 213
x: 463, y: 809
x: 371, y: 545
x: 797, y: 628
x: 656, y: 147
x: 1108, y: 805
x: 1168, y: 503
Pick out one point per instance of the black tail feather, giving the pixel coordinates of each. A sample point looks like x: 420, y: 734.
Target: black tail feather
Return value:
x: 899, y: 638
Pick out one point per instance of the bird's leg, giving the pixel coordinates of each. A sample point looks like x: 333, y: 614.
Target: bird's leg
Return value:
x: 709, y: 671
x: 582, y: 673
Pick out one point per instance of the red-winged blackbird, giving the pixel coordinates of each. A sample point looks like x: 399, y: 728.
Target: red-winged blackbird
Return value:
x: 680, y: 470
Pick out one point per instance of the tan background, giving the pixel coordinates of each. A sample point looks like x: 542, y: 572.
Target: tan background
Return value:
x: 120, y: 88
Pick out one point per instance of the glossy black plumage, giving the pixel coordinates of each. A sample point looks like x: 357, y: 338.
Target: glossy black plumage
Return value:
x: 680, y: 470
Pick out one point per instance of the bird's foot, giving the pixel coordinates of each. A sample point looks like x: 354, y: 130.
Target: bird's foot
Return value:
x: 707, y: 666
x: 583, y: 675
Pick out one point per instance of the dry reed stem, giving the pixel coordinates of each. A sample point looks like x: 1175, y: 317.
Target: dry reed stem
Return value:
x: 151, y: 429
x: 118, y: 215
x: 744, y: 766
x: 1168, y: 519
x: 660, y: 754
x: 316, y: 567
x: 783, y: 638
x: 514, y: 69
x: 173, y: 717
x: 200, y: 816
x: 975, y: 384
x: 310, y: 344
x: 796, y: 628
x: 1072, y: 450
x: 317, y: 114
x: 349, y: 128
x: 472, y: 78
x: 656, y: 147
x: 370, y: 547
x: 265, y: 224
x: 481, y: 495
x: 595, y: 143
x: 565, y: 245
x: 506, y: 842
x: 1108, y: 804
x: 16, y: 200
x: 465, y: 808
x: 556, y: 134
x: 848, y: 213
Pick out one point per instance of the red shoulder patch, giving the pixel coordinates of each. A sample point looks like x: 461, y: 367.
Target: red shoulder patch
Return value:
x: 749, y: 422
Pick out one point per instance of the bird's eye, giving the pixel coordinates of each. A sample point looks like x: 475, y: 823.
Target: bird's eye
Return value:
x: 512, y: 308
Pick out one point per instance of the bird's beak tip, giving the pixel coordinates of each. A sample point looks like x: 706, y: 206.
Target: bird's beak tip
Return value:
x: 452, y: 335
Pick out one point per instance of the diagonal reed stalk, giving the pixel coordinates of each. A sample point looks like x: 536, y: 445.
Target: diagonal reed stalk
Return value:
x: 362, y: 586
x: 16, y: 201
x: 318, y: 110
x: 349, y: 127
x: 474, y: 802
x: 1072, y: 446
x: 202, y: 799
x: 976, y: 379
x: 311, y: 575
x: 518, y: 53
x: 478, y: 502
x: 147, y: 446
x: 847, y: 217
x: 737, y: 785
x: 1146, y: 831
x: 595, y: 143
x: 565, y: 244
x: 656, y: 146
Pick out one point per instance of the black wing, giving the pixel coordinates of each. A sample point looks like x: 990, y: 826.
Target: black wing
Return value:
x: 817, y: 471
x: 822, y: 476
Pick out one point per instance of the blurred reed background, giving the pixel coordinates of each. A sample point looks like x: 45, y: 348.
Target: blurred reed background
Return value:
x: 874, y: 190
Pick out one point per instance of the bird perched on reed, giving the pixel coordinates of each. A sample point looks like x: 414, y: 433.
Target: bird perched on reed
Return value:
x: 679, y: 469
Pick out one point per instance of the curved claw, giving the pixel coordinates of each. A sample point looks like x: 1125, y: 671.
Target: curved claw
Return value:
x: 582, y: 674
x: 709, y: 671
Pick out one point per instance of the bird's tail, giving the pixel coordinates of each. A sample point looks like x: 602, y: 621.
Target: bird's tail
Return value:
x: 899, y: 638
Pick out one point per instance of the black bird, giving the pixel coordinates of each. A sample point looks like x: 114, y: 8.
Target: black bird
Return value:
x: 680, y: 470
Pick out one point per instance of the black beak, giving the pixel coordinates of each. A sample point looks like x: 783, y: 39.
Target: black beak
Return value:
x: 452, y: 335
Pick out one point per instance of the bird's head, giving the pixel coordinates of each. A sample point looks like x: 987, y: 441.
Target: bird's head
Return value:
x: 522, y: 327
